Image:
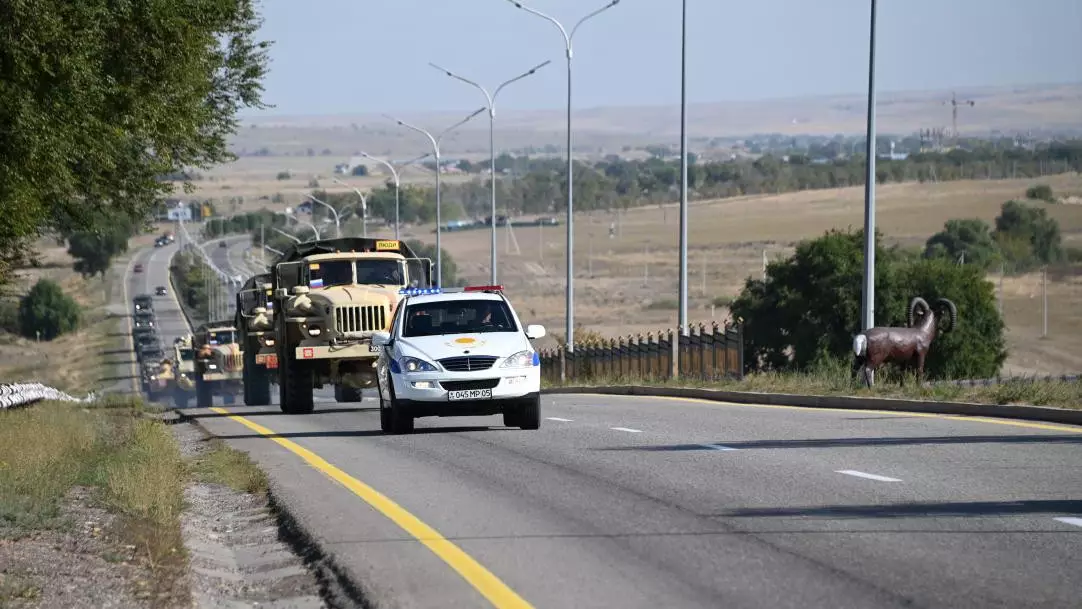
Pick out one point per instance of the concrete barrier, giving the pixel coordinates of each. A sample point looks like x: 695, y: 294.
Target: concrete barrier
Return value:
x: 1032, y: 413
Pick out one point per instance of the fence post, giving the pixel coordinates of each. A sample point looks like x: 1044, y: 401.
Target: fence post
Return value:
x: 674, y: 361
x: 740, y: 350
x: 563, y: 365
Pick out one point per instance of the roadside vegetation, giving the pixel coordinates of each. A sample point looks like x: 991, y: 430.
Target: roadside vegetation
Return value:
x: 835, y: 378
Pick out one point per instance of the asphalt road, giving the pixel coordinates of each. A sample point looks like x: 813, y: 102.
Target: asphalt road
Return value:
x: 646, y: 502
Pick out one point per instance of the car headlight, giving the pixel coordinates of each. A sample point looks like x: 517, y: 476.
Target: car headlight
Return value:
x: 212, y: 366
x: 314, y: 331
x: 522, y: 359
x: 413, y: 364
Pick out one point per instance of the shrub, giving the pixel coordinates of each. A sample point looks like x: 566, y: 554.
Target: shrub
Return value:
x: 46, y: 308
x: 808, y: 309
x: 1040, y: 192
x: 971, y: 237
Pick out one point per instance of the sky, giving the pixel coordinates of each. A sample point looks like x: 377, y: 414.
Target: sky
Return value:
x: 371, y: 56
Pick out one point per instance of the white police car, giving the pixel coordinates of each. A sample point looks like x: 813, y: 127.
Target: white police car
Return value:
x: 457, y: 352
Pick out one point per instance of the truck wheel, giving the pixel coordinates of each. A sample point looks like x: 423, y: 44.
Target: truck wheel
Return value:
x: 297, y: 391
x: 204, y: 394
x: 259, y: 388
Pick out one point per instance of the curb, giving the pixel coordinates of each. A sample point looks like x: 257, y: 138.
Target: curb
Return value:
x: 1032, y: 413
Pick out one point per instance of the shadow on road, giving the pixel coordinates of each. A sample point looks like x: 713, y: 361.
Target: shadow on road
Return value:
x: 863, y: 442
x: 909, y: 510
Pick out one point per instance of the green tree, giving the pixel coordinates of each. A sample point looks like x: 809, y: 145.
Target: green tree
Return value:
x: 1019, y: 224
x: 1041, y: 192
x: 808, y: 309
x: 969, y: 236
x: 95, y: 249
x: 47, y: 309
x: 99, y: 99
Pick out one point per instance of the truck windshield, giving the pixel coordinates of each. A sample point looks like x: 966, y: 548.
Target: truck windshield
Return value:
x: 186, y: 355
x: 458, y: 317
x: 379, y: 272
x: 330, y: 272
x: 221, y: 337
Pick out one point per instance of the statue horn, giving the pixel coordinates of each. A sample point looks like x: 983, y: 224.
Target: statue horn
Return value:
x: 952, y: 309
x: 913, y: 304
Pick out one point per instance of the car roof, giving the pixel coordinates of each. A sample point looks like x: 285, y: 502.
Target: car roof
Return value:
x: 448, y: 297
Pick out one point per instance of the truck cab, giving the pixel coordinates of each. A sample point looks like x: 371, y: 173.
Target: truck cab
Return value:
x: 218, y: 364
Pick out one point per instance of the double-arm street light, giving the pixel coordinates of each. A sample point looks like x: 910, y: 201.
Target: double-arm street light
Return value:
x: 306, y: 223
x: 491, y: 98
x: 397, y: 184
x: 337, y: 219
x: 364, y: 206
x: 568, y: 36
x: 435, y: 141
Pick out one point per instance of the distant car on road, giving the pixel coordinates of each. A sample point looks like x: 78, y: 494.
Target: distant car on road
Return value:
x: 138, y: 268
x: 222, y: 244
x: 160, y: 291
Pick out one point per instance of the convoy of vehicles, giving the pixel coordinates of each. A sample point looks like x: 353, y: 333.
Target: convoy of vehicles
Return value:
x: 458, y: 352
x: 355, y: 313
x: 329, y: 297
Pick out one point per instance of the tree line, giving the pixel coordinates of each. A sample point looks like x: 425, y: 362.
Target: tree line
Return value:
x: 537, y: 186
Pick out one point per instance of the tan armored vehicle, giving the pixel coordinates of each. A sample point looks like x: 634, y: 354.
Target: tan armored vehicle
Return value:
x: 329, y: 296
x: 255, y: 325
x: 219, y: 363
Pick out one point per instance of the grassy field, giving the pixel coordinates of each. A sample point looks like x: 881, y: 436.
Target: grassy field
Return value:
x: 635, y: 274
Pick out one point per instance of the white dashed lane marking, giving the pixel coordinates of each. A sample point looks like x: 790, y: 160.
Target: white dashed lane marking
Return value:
x: 1070, y: 520
x: 853, y: 472
x: 627, y: 429
x: 559, y: 419
x: 717, y: 447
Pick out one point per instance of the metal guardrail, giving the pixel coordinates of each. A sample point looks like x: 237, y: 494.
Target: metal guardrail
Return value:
x: 15, y: 395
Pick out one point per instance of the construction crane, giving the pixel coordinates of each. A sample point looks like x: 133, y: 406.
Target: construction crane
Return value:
x: 954, y: 112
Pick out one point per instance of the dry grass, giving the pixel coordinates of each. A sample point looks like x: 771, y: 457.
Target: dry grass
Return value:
x: 230, y: 467
x: 636, y: 273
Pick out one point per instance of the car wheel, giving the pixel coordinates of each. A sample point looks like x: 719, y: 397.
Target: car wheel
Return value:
x: 511, y: 416
x: 530, y: 413
x: 399, y: 420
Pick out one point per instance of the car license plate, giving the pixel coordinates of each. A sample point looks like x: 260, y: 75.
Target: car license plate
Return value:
x: 375, y: 348
x: 469, y: 394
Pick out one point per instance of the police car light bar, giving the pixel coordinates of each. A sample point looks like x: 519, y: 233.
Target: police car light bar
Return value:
x: 471, y: 288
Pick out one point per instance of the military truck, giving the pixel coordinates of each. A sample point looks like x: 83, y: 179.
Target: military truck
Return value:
x: 219, y: 362
x: 143, y: 320
x: 255, y: 325
x: 329, y: 297
x: 142, y: 302
x: 176, y: 374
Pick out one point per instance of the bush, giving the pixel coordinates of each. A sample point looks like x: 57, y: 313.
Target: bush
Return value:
x: 1040, y: 192
x: 1021, y: 222
x: 808, y: 309
x: 971, y: 237
x: 1073, y: 255
x: 46, y: 308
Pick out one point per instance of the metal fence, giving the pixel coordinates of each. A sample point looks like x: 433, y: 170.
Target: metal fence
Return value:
x: 708, y: 353
x: 24, y: 394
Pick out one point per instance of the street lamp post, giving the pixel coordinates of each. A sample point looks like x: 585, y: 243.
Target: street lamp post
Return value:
x: 337, y: 219
x: 397, y: 185
x: 306, y: 223
x: 364, y: 206
x: 570, y: 163
x: 282, y: 232
x: 491, y: 98
x: 683, y: 315
x: 868, y: 316
x: 435, y: 141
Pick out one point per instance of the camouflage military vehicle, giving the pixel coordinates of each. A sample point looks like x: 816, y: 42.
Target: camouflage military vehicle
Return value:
x: 255, y: 326
x: 219, y: 363
x: 142, y: 303
x: 329, y: 297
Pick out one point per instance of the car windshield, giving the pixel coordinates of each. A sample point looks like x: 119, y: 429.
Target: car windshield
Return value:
x: 379, y: 272
x: 458, y: 317
x: 330, y: 272
x: 221, y: 337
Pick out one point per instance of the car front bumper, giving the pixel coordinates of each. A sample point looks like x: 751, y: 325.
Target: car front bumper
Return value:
x: 440, y: 387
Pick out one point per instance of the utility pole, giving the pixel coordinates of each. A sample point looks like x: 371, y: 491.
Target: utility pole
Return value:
x: 868, y: 296
x: 1044, y: 299
x: 954, y: 113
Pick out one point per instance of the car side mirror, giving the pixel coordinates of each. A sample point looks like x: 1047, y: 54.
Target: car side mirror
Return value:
x: 381, y: 339
x: 535, y: 331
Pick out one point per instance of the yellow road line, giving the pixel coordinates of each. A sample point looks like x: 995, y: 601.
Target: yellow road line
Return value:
x: 926, y: 415
x: 497, y: 592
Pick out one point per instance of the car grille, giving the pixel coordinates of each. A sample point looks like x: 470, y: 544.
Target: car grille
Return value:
x: 357, y: 318
x: 467, y: 385
x: 467, y: 363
